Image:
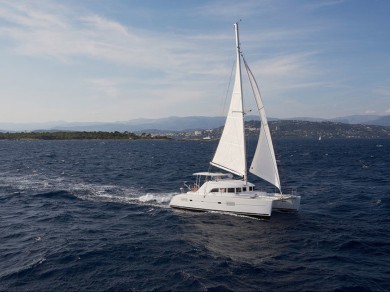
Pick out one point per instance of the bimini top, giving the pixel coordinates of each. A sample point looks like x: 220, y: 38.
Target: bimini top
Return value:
x: 214, y: 174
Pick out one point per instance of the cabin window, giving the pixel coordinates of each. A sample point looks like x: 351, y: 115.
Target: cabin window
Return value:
x: 214, y: 191
x: 244, y: 189
x: 222, y: 190
x: 231, y: 190
x: 251, y: 188
x: 238, y: 190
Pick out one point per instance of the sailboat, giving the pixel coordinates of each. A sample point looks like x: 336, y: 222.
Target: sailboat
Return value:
x: 230, y: 191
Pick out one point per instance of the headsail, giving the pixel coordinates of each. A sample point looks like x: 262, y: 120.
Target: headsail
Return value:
x: 264, y: 161
x: 231, y: 153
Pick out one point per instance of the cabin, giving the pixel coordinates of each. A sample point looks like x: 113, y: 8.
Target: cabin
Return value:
x: 218, y: 183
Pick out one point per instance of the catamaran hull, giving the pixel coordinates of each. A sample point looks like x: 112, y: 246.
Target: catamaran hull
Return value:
x: 287, y: 204
x: 260, y: 207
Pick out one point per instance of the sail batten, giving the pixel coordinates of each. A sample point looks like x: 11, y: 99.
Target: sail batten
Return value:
x: 227, y: 169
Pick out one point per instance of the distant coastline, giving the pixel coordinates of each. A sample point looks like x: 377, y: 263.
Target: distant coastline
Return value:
x: 298, y: 129
x: 281, y: 128
x: 174, y: 124
x: 67, y: 135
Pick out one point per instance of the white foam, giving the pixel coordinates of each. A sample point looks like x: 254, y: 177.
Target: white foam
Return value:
x: 159, y: 198
x: 86, y: 191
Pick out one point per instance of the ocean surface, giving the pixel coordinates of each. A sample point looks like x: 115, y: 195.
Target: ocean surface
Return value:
x: 94, y: 215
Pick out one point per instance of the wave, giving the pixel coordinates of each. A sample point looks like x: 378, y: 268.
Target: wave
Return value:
x: 56, y: 195
x: 8, y: 273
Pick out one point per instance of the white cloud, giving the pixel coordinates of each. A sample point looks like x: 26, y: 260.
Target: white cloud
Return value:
x: 238, y: 9
x: 109, y: 87
x: 26, y: 15
x: 382, y: 90
x: 291, y: 71
x: 45, y: 33
x: 323, y: 4
x: 287, y: 65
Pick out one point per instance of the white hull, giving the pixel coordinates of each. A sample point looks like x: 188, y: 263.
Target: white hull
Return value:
x: 251, y: 203
x: 288, y: 203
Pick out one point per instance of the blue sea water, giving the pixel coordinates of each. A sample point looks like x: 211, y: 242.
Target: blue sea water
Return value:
x: 94, y: 215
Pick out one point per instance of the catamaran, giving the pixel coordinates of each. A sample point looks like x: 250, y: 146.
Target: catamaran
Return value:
x: 231, y: 191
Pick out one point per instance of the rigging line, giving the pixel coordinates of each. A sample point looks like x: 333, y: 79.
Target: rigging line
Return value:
x: 227, y: 90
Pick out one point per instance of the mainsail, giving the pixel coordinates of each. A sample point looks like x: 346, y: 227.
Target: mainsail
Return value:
x: 264, y: 161
x: 231, y: 153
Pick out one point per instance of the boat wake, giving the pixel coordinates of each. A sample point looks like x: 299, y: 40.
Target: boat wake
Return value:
x: 53, y: 188
x: 160, y: 198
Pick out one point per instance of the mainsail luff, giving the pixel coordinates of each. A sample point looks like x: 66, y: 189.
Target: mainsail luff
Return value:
x: 231, y: 150
x: 264, y: 162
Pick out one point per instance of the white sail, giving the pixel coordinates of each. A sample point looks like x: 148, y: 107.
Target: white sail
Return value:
x: 264, y: 161
x: 231, y: 153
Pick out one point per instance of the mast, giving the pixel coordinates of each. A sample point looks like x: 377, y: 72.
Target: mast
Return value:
x: 238, y: 64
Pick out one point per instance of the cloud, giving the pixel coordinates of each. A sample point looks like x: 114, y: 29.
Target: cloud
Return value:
x: 290, y: 71
x: 109, y: 87
x: 25, y: 15
x: 42, y: 32
x: 224, y: 9
x: 285, y: 65
x: 72, y: 37
x: 370, y: 112
x: 322, y: 4
x: 47, y: 34
x: 382, y: 90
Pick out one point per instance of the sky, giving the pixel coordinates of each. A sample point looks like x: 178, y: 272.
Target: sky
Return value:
x: 117, y: 60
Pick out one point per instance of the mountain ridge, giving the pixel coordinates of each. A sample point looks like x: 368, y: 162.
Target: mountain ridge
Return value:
x: 174, y: 123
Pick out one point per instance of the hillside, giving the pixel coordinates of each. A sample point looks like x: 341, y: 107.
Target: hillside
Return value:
x: 281, y: 128
x: 291, y: 128
x: 173, y: 124
x: 78, y: 136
